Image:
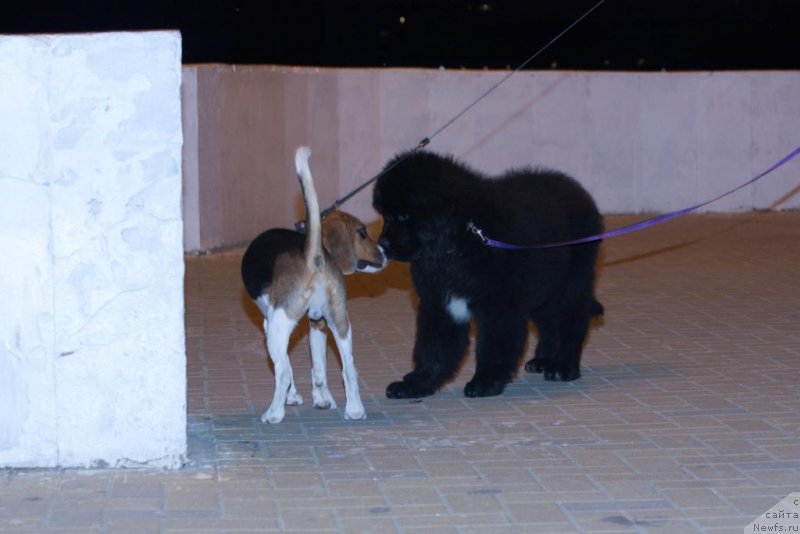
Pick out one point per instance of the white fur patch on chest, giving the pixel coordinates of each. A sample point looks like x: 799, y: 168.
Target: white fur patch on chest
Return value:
x: 458, y: 309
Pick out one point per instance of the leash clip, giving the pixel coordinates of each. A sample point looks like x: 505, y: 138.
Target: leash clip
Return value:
x: 477, y: 231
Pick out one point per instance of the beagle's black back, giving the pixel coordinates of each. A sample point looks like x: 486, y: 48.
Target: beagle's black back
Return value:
x: 258, y: 263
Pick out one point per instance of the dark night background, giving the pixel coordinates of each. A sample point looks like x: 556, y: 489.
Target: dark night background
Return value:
x: 619, y: 35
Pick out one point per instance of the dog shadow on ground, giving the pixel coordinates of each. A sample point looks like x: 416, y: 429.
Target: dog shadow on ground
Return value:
x: 605, y: 262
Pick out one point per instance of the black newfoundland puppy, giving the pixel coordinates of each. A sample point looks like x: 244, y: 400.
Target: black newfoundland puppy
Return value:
x: 427, y: 202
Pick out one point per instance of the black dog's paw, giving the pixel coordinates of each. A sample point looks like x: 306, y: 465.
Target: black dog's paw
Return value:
x: 537, y: 365
x: 566, y: 373
x: 534, y: 366
x: 484, y: 387
x: 405, y: 389
x: 553, y: 373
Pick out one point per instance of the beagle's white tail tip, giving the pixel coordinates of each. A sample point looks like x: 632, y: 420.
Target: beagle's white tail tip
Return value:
x: 301, y: 160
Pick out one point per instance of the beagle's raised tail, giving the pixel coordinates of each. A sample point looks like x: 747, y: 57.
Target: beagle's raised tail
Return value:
x: 313, y: 248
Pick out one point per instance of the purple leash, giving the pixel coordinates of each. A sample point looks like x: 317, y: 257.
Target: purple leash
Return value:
x: 632, y: 227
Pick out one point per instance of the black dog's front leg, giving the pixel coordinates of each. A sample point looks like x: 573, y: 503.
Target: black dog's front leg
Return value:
x: 501, y: 338
x: 438, y: 350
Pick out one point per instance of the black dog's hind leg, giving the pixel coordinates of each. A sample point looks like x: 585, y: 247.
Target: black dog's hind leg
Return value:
x: 501, y: 338
x: 561, y: 338
x: 547, y: 346
x: 574, y: 326
x: 564, y: 321
x: 438, y: 351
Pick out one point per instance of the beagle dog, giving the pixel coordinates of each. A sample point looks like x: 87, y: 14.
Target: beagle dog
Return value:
x: 289, y: 274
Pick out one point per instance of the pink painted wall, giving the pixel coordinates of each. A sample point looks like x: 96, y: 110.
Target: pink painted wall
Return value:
x: 649, y: 142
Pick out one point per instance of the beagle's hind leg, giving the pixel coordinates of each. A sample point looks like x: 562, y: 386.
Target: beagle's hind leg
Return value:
x: 317, y: 340
x: 279, y: 327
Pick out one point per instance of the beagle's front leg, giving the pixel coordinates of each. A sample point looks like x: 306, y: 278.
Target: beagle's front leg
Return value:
x: 354, y: 409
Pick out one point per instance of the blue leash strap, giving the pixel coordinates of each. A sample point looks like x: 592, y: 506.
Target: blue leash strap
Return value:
x: 631, y: 227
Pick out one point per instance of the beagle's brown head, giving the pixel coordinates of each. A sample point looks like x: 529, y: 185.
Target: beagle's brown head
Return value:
x: 346, y: 240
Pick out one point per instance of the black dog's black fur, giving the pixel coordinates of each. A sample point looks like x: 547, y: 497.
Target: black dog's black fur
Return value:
x: 426, y: 201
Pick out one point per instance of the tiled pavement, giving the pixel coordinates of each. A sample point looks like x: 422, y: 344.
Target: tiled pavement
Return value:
x: 687, y: 418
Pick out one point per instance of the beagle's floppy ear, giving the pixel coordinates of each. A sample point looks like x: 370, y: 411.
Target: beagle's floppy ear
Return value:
x: 338, y: 241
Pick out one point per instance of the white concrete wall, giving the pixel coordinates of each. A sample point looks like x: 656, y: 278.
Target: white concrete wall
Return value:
x: 92, y: 359
x: 640, y: 142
